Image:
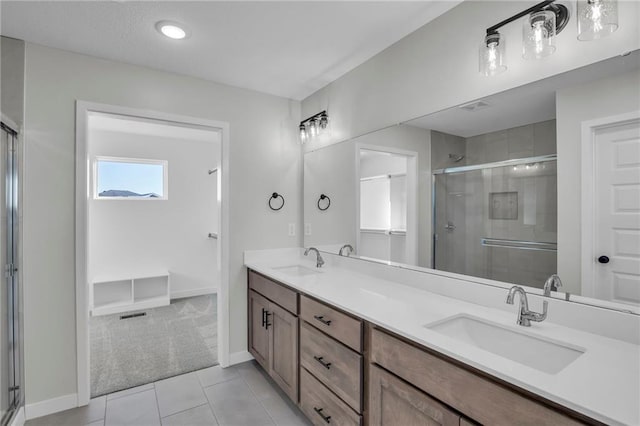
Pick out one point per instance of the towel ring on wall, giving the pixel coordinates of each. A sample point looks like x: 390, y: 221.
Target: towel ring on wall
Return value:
x: 324, y: 197
x: 275, y: 196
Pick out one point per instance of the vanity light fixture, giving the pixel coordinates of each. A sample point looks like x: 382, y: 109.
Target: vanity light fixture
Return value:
x: 313, y: 126
x: 544, y: 21
x: 596, y: 18
x: 173, y: 30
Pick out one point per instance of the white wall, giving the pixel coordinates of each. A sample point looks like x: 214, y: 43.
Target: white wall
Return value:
x: 436, y: 67
x: 264, y: 157
x: 12, y: 79
x: 130, y: 238
x: 603, y: 98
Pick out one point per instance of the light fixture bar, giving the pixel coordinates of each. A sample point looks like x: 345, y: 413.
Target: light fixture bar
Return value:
x: 314, y: 117
x: 536, y: 8
x: 313, y: 126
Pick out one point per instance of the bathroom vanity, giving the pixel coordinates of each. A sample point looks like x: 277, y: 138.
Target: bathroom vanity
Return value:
x: 352, y: 348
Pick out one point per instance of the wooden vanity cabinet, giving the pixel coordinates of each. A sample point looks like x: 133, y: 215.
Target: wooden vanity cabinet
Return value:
x: 273, y: 331
x: 339, y: 374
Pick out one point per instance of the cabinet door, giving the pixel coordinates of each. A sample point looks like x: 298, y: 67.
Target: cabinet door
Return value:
x: 258, y: 332
x: 283, y: 328
x: 394, y: 402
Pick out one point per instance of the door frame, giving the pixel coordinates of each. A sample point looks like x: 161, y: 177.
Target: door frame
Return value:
x: 590, y: 129
x: 83, y: 109
x: 412, y: 196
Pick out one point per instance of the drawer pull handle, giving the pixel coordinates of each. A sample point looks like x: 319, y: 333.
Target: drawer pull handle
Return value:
x: 322, y: 320
x: 321, y: 360
x: 266, y: 319
x: 327, y: 419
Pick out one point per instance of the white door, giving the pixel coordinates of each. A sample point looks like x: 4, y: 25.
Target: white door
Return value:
x: 617, y: 213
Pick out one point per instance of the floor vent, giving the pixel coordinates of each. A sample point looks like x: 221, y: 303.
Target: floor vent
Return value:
x: 139, y: 314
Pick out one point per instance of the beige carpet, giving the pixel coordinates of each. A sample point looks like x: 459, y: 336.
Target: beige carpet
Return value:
x: 166, y: 342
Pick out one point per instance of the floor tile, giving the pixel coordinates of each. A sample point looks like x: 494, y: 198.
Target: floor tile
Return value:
x: 80, y: 416
x: 234, y: 404
x: 283, y: 412
x: 214, y: 375
x: 179, y: 393
x: 97, y: 423
x: 139, y: 409
x: 131, y: 391
x: 199, y: 416
x: 256, y: 379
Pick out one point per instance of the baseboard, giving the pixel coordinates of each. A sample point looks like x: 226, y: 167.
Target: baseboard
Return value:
x: 239, y: 357
x: 192, y: 293
x: 50, y: 406
x: 18, y: 419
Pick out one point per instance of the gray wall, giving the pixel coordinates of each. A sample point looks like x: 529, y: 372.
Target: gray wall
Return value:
x: 12, y: 79
x: 264, y: 157
x: 606, y: 97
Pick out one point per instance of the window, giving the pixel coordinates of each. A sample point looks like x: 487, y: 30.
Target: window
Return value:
x: 130, y: 178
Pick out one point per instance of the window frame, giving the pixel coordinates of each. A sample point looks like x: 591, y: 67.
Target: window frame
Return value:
x: 165, y: 176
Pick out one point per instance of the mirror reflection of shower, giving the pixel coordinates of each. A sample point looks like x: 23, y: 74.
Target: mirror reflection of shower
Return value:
x: 496, y: 217
x: 387, y: 203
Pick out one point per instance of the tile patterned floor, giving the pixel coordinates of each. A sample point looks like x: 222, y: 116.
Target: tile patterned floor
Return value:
x: 241, y: 395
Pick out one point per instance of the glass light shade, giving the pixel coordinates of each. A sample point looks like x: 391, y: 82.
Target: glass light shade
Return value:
x: 492, y: 55
x: 313, y: 129
x: 596, y: 18
x: 303, y: 133
x: 539, y: 35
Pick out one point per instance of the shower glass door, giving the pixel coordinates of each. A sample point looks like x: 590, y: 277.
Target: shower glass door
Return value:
x: 10, y: 392
x: 498, y: 221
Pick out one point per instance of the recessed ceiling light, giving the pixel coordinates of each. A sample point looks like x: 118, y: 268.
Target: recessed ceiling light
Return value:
x: 172, y: 30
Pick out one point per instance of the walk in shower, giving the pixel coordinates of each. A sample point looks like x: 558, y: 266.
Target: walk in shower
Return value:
x: 497, y: 220
x: 10, y: 377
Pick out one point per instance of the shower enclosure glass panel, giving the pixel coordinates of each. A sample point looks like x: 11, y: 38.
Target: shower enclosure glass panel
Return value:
x: 10, y: 392
x: 497, y: 222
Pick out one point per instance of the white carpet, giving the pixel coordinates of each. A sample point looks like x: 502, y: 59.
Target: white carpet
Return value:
x: 166, y: 342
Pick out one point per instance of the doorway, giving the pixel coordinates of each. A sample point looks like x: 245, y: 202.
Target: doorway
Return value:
x: 152, y: 246
x: 386, y: 192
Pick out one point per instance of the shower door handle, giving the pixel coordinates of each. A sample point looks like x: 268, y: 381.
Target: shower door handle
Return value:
x: 449, y: 226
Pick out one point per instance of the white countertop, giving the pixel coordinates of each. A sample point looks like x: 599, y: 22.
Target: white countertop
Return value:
x: 603, y: 383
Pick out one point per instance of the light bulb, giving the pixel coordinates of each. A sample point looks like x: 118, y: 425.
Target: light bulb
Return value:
x: 173, y: 30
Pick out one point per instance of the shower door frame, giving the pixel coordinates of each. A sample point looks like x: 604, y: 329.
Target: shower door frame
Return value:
x: 474, y: 167
x: 12, y: 182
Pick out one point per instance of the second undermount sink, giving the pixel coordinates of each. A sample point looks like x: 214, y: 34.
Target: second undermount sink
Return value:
x: 296, y: 270
x: 546, y: 355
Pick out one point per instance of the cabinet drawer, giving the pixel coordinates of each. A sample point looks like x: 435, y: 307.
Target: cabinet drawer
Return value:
x: 483, y: 400
x: 342, y: 327
x: 321, y: 406
x: 275, y: 292
x: 334, y: 364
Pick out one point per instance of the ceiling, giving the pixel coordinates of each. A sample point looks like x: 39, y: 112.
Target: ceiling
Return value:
x: 531, y: 103
x: 288, y: 48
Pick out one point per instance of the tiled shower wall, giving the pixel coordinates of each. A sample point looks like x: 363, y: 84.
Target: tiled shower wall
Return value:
x: 463, y: 200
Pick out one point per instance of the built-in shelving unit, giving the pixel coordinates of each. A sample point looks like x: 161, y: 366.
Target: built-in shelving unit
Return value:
x: 123, y: 295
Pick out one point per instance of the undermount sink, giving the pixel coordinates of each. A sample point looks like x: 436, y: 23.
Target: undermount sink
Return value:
x: 546, y: 355
x: 296, y: 270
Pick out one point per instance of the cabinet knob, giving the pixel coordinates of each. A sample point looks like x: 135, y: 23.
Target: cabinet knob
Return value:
x: 603, y: 259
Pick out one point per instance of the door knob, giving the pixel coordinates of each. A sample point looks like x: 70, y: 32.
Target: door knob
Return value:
x: 603, y: 259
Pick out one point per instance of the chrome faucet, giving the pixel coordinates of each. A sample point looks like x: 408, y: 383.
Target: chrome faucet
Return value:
x: 348, y: 247
x: 525, y: 316
x: 552, y: 284
x: 319, y: 259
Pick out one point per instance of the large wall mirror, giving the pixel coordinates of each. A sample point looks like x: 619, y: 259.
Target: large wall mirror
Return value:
x: 480, y: 189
